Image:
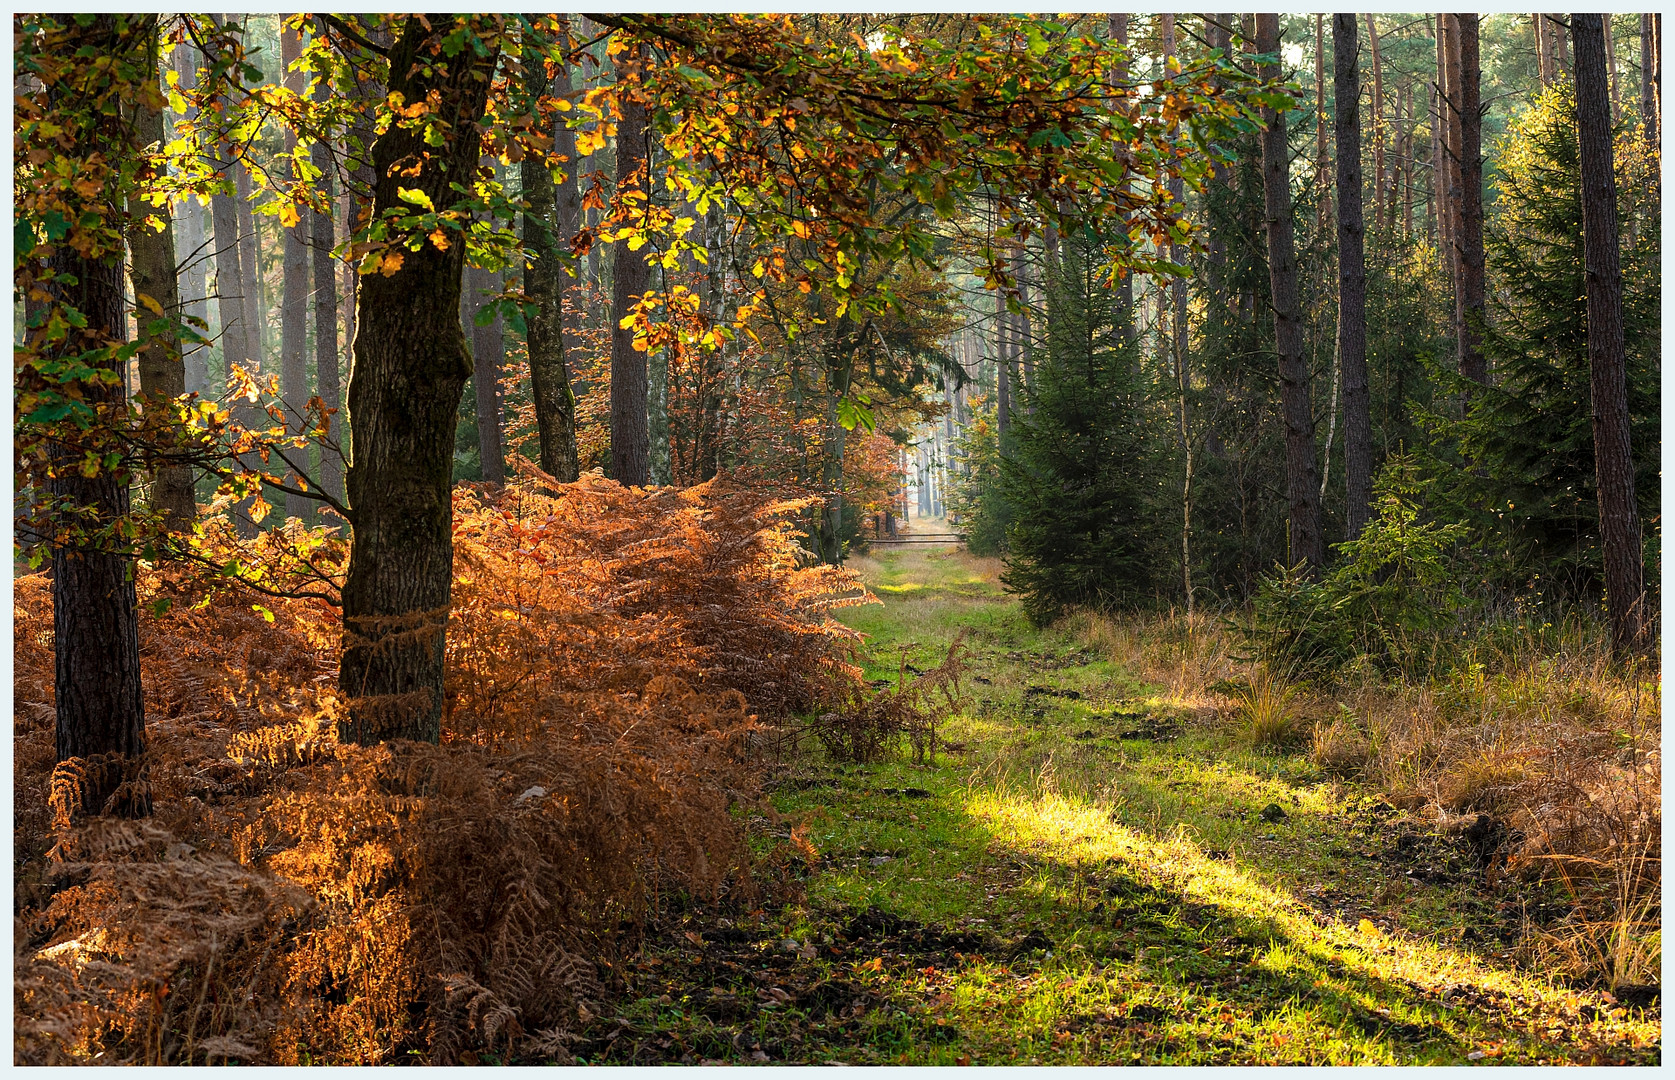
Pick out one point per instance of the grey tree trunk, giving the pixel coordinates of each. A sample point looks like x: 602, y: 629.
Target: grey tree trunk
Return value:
x: 1302, y: 480
x: 488, y: 358
x: 1619, y: 521
x: 1469, y: 300
x: 250, y: 291
x: 411, y: 364
x: 162, y: 375
x: 630, y: 429
x: 193, y: 250
x: 1352, y: 278
x: 1003, y: 367
x: 1651, y: 74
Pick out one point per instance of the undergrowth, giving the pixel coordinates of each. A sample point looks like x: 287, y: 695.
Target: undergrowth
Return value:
x: 296, y: 900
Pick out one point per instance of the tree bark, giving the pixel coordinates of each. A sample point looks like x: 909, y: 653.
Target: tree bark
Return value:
x: 1125, y: 288
x: 1352, y: 279
x: 1451, y: 160
x: 293, y: 311
x: 1543, y: 51
x: 250, y: 291
x: 1619, y: 522
x: 546, y: 283
x: 162, y: 375
x: 196, y: 251
x: 1439, y: 149
x: 630, y: 423
x: 411, y: 364
x: 1003, y: 368
x: 1323, y: 181
x: 98, y: 703
x: 1469, y: 293
x: 1302, y: 479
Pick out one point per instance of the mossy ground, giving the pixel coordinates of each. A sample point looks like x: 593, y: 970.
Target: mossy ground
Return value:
x: 1088, y: 877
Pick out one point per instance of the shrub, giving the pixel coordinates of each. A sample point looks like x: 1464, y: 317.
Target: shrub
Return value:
x: 294, y: 899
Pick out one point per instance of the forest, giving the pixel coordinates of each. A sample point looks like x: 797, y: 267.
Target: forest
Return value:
x: 916, y: 539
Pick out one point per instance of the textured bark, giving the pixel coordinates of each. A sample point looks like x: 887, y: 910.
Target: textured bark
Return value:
x: 192, y: 249
x: 1352, y: 278
x: 1003, y: 368
x: 1543, y: 51
x: 1439, y: 147
x: 1451, y: 155
x: 97, y: 694
x: 162, y: 375
x: 411, y: 364
x: 250, y: 290
x: 293, y: 307
x: 1469, y: 303
x: 1323, y: 181
x: 1302, y: 479
x: 545, y: 282
x: 630, y: 427
x: 1022, y: 324
x: 1611, y: 59
x: 328, y: 378
x: 1619, y: 523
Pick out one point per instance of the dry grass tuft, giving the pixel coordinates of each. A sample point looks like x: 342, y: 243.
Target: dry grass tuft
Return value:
x: 296, y: 900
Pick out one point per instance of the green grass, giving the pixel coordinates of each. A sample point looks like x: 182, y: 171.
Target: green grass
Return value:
x: 1092, y: 880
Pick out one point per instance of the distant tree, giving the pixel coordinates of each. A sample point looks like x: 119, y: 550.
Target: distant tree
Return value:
x: 1352, y: 278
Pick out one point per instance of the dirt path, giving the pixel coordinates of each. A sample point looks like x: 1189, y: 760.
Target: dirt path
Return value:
x: 1094, y: 873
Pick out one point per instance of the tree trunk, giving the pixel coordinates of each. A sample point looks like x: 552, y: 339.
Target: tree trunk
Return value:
x: 1611, y: 57
x: 162, y: 376
x: 1021, y: 326
x: 98, y: 703
x: 1469, y: 294
x: 1439, y: 149
x: 1619, y: 523
x: 1302, y: 479
x: 1003, y: 367
x: 196, y: 250
x: 1543, y: 51
x: 249, y: 259
x: 1379, y: 221
x: 1451, y: 158
x: 545, y: 283
x: 293, y: 312
x: 1323, y: 182
x: 630, y: 423
x: 411, y: 364
x: 488, y: 351
x: 1352, y: 279
x: 1125, y: 287
x: 328, y: 379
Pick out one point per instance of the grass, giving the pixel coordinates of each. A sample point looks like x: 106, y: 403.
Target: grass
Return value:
x: 1110, y: 872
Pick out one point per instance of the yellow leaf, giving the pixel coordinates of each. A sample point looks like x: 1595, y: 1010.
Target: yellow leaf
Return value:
x: 1366, y: 927
x: 392, y: 263
x: 151, y: 305
x: 440, y: 239
x: 288, y: 216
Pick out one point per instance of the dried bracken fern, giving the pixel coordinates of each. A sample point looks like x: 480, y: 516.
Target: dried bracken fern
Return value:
x: 297, y: 899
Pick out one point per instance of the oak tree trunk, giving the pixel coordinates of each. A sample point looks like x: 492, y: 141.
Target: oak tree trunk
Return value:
x: 293, y: 310
x: 411, y: 364
x: 1302, y: 479
x: 1352, y: 278
x: 488, y: 354
x: 327, y: 374
x: 1619, y: 522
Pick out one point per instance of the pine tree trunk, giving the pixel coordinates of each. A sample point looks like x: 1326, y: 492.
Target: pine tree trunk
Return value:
x: 1323, y: 182
x: 162, y: 376
x: 99, y: 707
x: 630, y: 422
x: 1025, y: 335
x: 1469, y: 294
x: 328, y: 379
x: 197, y: 253
x: 1451, y: 155
x: 411, y: 364
x: 1302, y: 478
x: 1611, y: 57
x: 488, y: 353
x: 1125, y: 288
x: 250, y: 291
x: 1379, y: 221
x: 1543, y: 51
x: 1352, y: 279
x: 1619, y: 522
x: 1003, y: 367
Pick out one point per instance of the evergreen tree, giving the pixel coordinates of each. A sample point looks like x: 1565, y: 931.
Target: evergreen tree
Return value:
x: 1075, y: 470
x: 1527, y: 456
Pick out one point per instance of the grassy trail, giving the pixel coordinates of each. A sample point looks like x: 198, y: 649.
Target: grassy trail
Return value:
x: 1096, y: 873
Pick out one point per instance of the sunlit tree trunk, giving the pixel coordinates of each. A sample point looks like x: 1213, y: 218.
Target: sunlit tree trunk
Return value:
x: 1379, y: 220
x: 328, y: 378
x: 1651, y: 74
x: 1003, y: 368
x: 1302, y: 478
x: 1352, y: 278
x: 193, y: 250
x: 411, y: 364
x: 1619, y: 522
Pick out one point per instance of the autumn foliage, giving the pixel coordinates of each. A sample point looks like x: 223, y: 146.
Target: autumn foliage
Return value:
x: 294, y: 899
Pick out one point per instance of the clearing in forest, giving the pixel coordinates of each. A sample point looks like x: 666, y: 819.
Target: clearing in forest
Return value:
x: 1093, y: 870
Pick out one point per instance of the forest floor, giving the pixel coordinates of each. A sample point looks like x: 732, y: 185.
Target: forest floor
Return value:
x: 1095, y: 873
